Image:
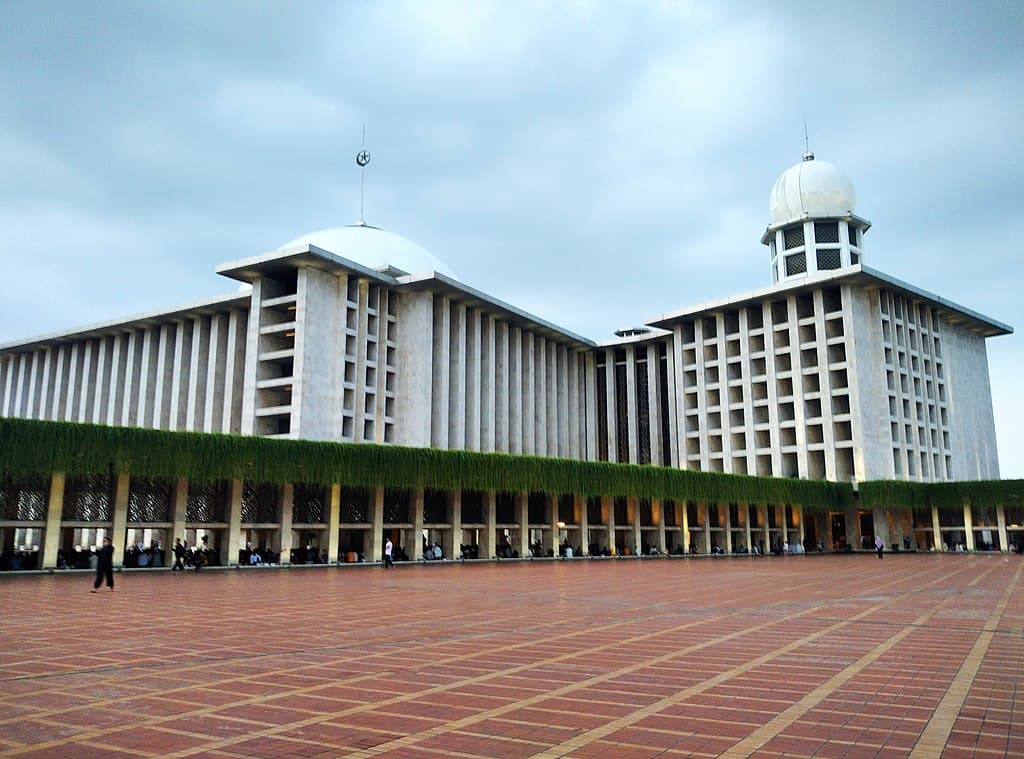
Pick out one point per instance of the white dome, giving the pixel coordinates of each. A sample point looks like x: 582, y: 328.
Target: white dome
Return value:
x: 373, y: 248
x: 811, y: 188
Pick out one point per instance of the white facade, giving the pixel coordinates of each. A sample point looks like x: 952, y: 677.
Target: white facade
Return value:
x: 836, y: 371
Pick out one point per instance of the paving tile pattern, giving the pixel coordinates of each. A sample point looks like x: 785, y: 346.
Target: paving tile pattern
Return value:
x: 834, y: 656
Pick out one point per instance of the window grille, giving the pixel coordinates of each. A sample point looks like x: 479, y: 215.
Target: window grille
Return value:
x: 207, y: 501
x: 666, y: 437
x: 472, y: 507
x: 88, y: 498
x: 829, y: 259
x: 602, y: 413
x: 25, y: 498
x: 643, y: 414
x: 594, y: 510
x: 505, y: 508
x: 621, y: 415
x: 794, y: 237
x: 566, y: 508
x: 826, y: 232
x: 853, y: 234
x: 537, y: 508
x: 435, y: 507
x: 796, y: 264
x: 396, y: 506
x: 309, y: 504
x: 259, y: 502
x: 621, y: 510
x: 149, y: 500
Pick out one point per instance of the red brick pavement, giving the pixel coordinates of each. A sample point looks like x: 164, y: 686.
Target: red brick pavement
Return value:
x: 834, y: 656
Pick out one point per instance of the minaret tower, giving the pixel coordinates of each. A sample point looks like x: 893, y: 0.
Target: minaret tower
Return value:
x: 813, y: 227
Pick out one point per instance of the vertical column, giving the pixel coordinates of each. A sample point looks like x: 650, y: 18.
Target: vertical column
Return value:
x: 706, y: 508
x: 472, y: 417
x: 968, y: 528
x: 119, y: 530
x: 132, y: 372
x: 333, y: 523
x: 488, y: 410
x: 457, y: 392
x: 728, y: 528
x: 442, y: 373
x: 579, y: 508
x: 633, y: 509
x: 455, y: 519
x: 285, y: 513
x: 417, y: 527
x: 502, y: 431
x: 375, y: 551
x: 530, y: 410
x: 798, y: 512
x: 552, y: 543
x: 490, y: 520
x: 234, y: 525
x: 179, y: 510
x: 745, y: 509
x: 658, y: 514
x: 766, y: 536
x: 522, y: 517
x: 608, y: 515
x: 936, y: 529
x: 1004, y: 541
x: 54, y: 512
x: 685, y: 522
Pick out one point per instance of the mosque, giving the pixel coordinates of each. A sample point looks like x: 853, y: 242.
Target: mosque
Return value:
x: 834, y: 371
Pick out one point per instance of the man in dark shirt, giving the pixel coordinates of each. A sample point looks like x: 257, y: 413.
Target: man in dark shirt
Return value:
x: 179, y: 555
x: 104, y: 566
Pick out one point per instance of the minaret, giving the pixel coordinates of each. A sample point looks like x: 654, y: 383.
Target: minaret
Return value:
x: 813, y: 227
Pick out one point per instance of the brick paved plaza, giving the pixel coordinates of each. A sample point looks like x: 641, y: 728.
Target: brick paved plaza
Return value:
x: 833, y: 656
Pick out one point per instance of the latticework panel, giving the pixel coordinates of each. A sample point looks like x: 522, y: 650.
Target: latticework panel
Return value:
x: 207, y: 502
x: 643, y: 415
x: 149, y: 500
x: 472, y: 507
x: 355, y: 505
x: 309, y: 504
x: 505, y: 508
x: 435, y: 506
x: 396, y: 506
x: 88, y: 498
x: 829, y: 258
x: 259, y: 502
x: 24, y: 498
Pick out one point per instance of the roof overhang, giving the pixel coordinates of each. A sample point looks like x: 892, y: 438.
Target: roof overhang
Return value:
x: 854, y: 275
x: 766, y: 238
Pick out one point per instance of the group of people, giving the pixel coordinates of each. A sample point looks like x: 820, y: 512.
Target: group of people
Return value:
x: 195, y: 557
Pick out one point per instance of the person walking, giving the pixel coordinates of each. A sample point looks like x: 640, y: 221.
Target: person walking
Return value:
x: 388, y: 549
x: 179, y: 556
x: 879, y: 545
x: 104, y: 566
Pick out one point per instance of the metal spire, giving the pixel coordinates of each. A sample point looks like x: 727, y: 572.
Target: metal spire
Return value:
x: 808, y: 155
x: 362, y: 158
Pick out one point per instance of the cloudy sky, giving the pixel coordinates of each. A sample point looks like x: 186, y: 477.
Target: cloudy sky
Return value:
x: 595, y: 163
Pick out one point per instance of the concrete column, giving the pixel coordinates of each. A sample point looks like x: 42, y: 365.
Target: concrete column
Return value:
x: 333, y: 522
x: 685, y: 522
x: 119, y: 530
x: 728, y: 528
x: 375, y: 551
x: 552, y: 541
x: 799, y: 512
x: 523, y: 518
x: 608, y: 516
x: 766, y: 535
x: 229, y: 553
x: 633, y: 509
x: 658, y: 513
x: 179, y: 509
x: 54, y: 512
x: 706, y: 507
x: 881, y: 525
x: 968, y: 528
x: 417, y: 527
x: 455, y: 519
x: 579, y: 506
x: 744, y: 509
x: 487, y: 547
x: 936, y: 529
x: 286, y: 500
x: 1004, y: 540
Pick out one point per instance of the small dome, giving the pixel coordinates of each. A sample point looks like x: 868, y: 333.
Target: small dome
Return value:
x: 811, y: 188
x: 373, y: 248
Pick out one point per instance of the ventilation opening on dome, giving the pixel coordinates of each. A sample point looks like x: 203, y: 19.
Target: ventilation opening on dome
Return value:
x: 796, y: 264
x: 829, y: 258
x: 826, y: 232
x: 794, y: 237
